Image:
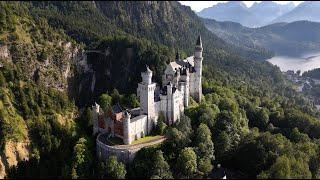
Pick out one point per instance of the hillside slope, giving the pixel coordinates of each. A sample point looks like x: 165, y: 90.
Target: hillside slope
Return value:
x: 291, y: 39
x: 36, y: 115
x: 308, y: 11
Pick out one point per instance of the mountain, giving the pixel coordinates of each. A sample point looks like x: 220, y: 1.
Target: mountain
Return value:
x: 235, y: 11
x: 308, y: 10
x: 266, y: 11
x: 291, y: 39
x: 257, y: 15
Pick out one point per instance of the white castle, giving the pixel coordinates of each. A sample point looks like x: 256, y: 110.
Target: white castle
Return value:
x: 181, y: 79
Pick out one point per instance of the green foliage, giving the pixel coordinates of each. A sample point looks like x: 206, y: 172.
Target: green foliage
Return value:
x: 315, y: 73
x: 287, y: 168
x: 82, y: 159
x: 161, y: 125
x: 115, y: 169
x: 161, y: 169
x: 205, y: 166
x: 144, y: 161
x: 204, y: 144
x: 105, y: 101
x: 187, y: 162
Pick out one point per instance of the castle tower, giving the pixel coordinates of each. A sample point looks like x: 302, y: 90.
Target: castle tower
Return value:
x: 186, y: 90
x: 198, y: 68
x: 126, y: 128
x: 170, y: 103
x: 95, y: 114
x: 146, y: 93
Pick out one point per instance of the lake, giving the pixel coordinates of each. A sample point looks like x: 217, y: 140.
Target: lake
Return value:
x: 304, y: 63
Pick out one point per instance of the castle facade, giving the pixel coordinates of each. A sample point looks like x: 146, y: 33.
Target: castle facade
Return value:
x: 181, y: 79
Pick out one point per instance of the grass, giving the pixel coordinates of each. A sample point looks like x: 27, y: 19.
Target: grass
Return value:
x: 145, y: 139
x: 114, y: 141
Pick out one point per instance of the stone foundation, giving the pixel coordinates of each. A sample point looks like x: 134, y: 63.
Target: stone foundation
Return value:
x: 124, y: 153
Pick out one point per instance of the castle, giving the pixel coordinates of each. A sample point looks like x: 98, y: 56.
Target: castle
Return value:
x: 181, y: 79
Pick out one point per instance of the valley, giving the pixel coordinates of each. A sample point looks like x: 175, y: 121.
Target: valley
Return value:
x: 303, y: 63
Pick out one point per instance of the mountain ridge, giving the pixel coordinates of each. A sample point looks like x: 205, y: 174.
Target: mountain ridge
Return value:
x: 291, y: 39
x: 259, y: 14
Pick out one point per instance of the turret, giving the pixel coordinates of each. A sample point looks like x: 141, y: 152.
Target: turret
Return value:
x: 177, y: 56
x: 95, y: 114
x: 186, y: 92
x: 126, y: 128
x: 147, y: 76
x: 169, y: 105
x: 146, y: 92
x: 198, y: 68
x: 169, y: 89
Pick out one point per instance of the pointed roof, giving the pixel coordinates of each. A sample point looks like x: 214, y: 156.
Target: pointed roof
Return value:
x: 177, y: 55
x: 199, y: 41
x: 148, y: 70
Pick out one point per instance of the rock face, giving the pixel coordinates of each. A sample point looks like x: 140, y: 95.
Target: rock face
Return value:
x: 4, y: 52
x: 13, y: 153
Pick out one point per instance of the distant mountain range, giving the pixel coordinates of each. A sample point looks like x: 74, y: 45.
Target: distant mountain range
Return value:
x: 261, y: 14
x: 309, y: 10
x: 291, y: 39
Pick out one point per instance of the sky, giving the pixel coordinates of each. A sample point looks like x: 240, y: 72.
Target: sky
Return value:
x: 199, y: 5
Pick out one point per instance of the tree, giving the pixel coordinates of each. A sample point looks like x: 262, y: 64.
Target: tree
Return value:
x: 160, y: 168
x: 132, y: 101
x: 204, y: 144
x: 287, y: 168
x: 184, y: 126
x: 105, y: 101
x: 82, y: 159
x: 187, y: 162
x: 115, y: 169
x: 258, y: 117
x: 2, y: 80
x: 208, y: 115
x: 116, y: 97
x: 222, y: 144
x: 161, y: 125
x: 205, y: 166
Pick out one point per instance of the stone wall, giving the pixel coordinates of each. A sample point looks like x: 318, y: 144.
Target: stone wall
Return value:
x: 124, y: 153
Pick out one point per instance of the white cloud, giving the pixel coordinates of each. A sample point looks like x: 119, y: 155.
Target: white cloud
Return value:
x: 199, y: 5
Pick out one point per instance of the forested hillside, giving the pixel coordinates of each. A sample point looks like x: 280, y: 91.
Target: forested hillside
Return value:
x: 251, y: 120
x: 37, y: 118
x: 290, y: 39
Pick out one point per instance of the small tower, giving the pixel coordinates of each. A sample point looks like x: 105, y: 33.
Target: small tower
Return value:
x: 95, y: 119
x: 146, y: 92
x: 177, y: 56
x: 169, y: 105
x: 186, y: 92
x: 147, y: 76
x: 198, y: 68
x: 126, y: 128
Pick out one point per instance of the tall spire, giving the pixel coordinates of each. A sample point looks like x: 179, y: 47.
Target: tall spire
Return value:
x: 177, y: 56
x: 148, y: 69
x: 199, y: 41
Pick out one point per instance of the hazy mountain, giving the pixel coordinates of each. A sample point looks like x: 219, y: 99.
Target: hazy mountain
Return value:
x: 231, y: 11
x: 258, y: 14
x: 266, y: 11
x: 282, y: 38
x: 308, y: 10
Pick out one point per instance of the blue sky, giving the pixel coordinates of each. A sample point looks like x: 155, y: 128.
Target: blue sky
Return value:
x: 199, y: 5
